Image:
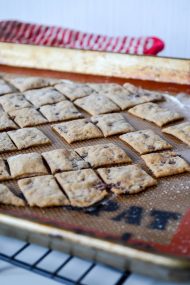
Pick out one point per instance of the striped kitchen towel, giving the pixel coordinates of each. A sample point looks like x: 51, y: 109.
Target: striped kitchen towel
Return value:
x: 26, y: 33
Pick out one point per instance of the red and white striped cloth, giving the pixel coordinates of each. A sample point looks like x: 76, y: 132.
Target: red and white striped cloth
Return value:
x: 25, y: 33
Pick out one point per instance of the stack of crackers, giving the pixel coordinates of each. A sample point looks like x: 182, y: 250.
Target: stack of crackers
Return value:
x: 82, y: 176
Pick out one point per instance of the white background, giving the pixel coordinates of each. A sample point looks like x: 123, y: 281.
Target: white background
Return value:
x: 167, y: 19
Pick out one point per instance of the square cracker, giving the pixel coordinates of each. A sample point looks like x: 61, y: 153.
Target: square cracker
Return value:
x: 63, y: 160
x: 27, y: 137
x: 5, y: 143
x: 4, y: 174
x: 105, y: 87
x: 14, y: 101
x: 131, y: 88
x: 128, y: 179
x: 44, y: 96
x: 154, y: 113
x: 5, y: 88
x: 28, y: 164
x: 127, y: 100
x: 165, y: 163
x: 6, y: 123
x: 82, y: 187
x: 24, y: 83
x: 112, y: 124
x: 42, y: 191
x: 8, y: 198
x: 61, y: 111
x: 73, y: 90
x: 96, y: 104
x: 128, y: 97
x: 145, y: 141
x: 150, y: 96
x: 77, y: 130
x: 27, y: 117
x: 180, y: 131
x: 103, y: 154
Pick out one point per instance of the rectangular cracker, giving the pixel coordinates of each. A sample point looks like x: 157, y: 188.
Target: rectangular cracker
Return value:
x: 165, y: 163
x: 97, y: 104
x: 154, y: 113
x: 8, y: 198
x: 26, y: 165
x: 42, y: 191
x: 27, y: 137
x: 44, y: 96
x: 14, y: 101
x: 4, y: 174
x: 112, y: 124
x: 24, y: 83
x: 61, y: 111
x: 82, y: 187
x: 5, y: 143
x: 27, y: 117
x: 145, y: 141
x: 6, y: 123
x: 5, y: 88
x: 77, y: 130
x: 73, y: 90
x: 180, y: 131
x: 103, y: 154
x: 60, y: 160
x: 128, y: 179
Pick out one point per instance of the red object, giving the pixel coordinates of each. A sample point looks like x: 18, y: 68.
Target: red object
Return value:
x: 24, y: 33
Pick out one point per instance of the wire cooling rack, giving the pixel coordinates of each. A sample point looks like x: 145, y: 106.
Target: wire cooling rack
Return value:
x: 58, y: 266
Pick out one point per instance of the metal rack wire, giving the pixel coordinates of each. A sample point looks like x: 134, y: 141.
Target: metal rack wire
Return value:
x: 18, y: 258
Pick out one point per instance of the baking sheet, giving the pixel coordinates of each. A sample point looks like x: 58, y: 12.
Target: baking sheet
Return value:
x: 160, y: 69
x: 155, y: 221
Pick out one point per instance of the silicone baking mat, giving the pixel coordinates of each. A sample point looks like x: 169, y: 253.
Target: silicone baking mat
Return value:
x: 156, y: 220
